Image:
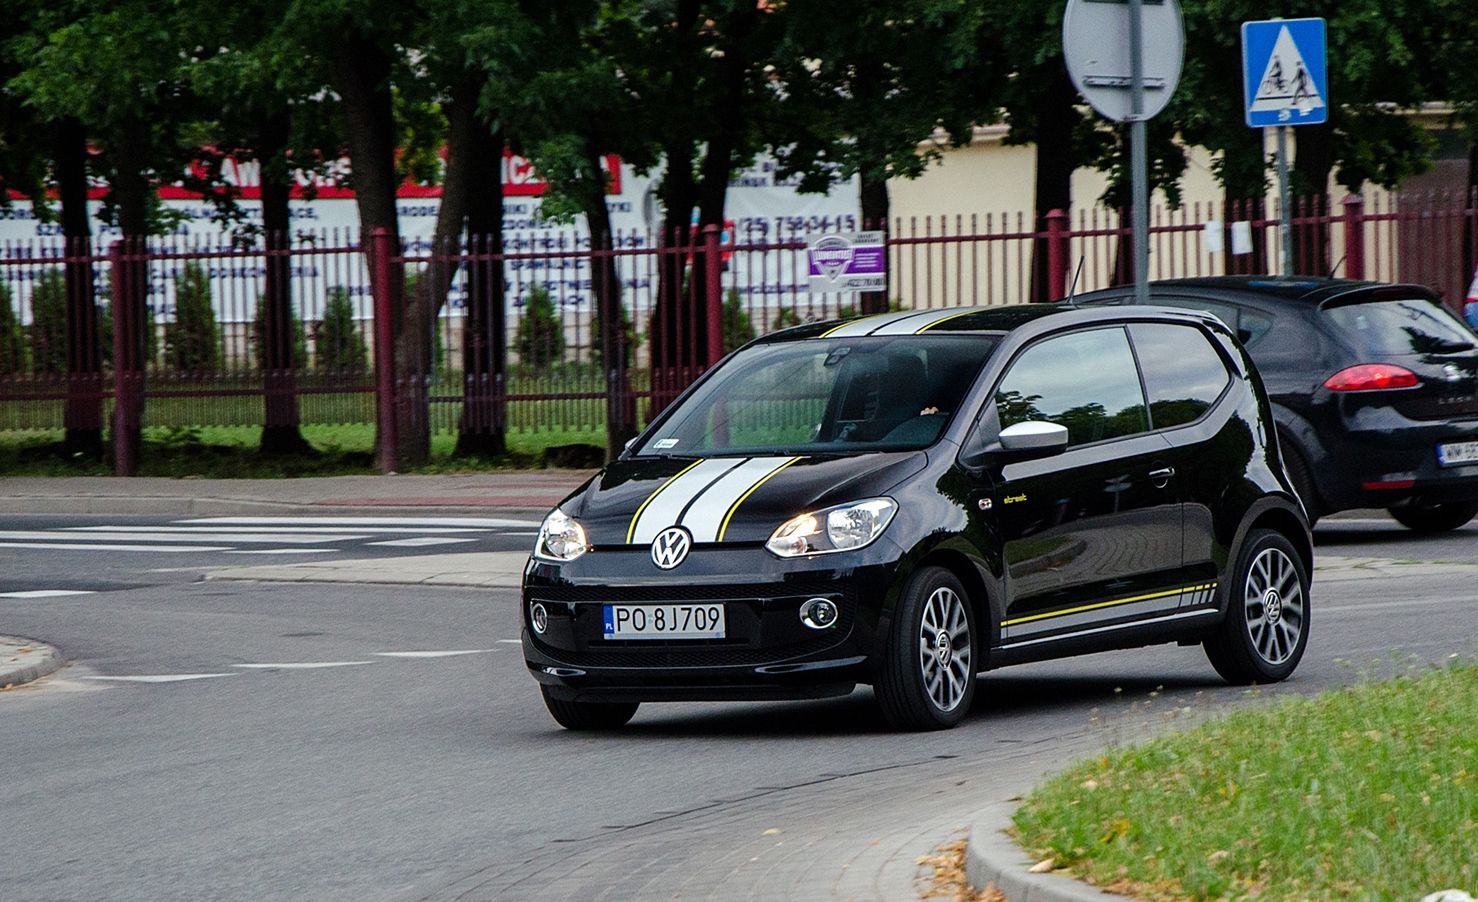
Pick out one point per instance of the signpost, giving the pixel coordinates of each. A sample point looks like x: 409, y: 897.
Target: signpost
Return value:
x: 1124, y: 57
x: 1286, y: 83
x: 848, y: 262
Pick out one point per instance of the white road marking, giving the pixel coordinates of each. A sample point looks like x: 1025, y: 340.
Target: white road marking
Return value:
x: 431, y: 654
x: 65, y: 546
x: 302, y: 665
x: 285, y: 551
x: 420, y: 542
x: 483, y: 522
x: 248, y: 538
x: 511, y: 641
x: 46, y: 593
x: 159, y: 677
x: 297, y: 527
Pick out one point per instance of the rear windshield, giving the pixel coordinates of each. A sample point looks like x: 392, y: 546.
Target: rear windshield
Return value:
x: 826, y: 396
x: 1396, y: 328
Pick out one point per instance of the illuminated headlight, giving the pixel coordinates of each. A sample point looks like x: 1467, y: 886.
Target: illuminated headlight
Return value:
x: 560, y: 538
x: 841, y: 528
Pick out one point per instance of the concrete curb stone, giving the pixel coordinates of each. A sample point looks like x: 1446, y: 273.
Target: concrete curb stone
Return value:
x: 17, y: 666
x: 993, y: 857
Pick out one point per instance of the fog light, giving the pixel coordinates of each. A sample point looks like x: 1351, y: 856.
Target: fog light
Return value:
x: 538, y: 618
x: 819, y: 613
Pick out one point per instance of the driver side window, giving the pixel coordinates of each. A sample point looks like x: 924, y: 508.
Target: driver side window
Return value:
x: 1086, y: 381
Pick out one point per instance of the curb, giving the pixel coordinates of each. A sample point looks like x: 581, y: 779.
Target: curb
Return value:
x: 993, y: 857
x: 23, y: 667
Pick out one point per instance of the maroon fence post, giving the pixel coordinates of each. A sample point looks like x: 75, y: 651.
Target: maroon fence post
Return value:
x: 1056, y: 255
x: 713, y: 290
x: 380, y: 251
x: 1354, y: 236
x: 128, y: 345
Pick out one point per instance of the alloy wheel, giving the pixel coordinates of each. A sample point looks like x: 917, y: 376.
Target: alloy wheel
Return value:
x: 945, y: 649
x: 1273, y: 604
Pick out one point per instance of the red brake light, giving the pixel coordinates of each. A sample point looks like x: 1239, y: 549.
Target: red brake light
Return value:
x: 1372, y: 377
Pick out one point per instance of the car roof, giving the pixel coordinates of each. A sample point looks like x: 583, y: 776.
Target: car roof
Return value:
x: 995, y: 320
x: 1309, y: 291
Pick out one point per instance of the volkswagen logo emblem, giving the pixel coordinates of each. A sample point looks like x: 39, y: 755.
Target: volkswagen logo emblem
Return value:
x: 671, y: 547
x: 1452, y: 373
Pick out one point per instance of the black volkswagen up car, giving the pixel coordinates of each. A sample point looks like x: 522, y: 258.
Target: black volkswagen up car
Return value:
x: 909, y: 499
x: 1374, y: 388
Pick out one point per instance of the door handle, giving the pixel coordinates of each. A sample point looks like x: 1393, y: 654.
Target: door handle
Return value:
x: 1161, y: 477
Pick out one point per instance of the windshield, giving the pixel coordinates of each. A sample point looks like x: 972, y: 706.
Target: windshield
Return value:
x: 826, y: 396
x: 1415, y: 326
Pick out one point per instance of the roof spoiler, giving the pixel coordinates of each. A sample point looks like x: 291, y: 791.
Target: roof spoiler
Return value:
x: 1366, y: 293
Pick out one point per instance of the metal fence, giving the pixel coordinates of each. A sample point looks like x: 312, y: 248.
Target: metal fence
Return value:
x: 517, y: 346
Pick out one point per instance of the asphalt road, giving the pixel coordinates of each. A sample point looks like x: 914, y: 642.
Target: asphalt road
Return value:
x: 382, y: 775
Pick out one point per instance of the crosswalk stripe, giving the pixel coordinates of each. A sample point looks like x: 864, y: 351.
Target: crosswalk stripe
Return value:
x: 420, y: 542
x: 159, y: 677
x: 247, y: 538
x: 284, y: 551
x: 46, y: 593
x: 74, y: 546
x: 484, y: 522
x: 296, y: 527
x: 431, y: 654
x: 302, y: 665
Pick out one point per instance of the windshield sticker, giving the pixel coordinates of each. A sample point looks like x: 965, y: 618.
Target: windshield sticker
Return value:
x: 666, y: 443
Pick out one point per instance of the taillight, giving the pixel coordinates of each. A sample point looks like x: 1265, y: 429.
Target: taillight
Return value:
x: 1372, y: 377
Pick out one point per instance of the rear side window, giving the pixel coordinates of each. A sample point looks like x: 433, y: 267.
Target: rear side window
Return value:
x: 1085, y: 381
x: 1387, y: 328
x: 1183, y: 374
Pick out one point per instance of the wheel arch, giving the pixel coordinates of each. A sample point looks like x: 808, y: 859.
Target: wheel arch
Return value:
x: 1277, y: 517
x: 965, y: 570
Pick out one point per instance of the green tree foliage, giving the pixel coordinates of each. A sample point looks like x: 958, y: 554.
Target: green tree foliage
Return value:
x: 299, y: 337
x: 338, y: 345
x: 12, y: 339
x: 192, y: 343
x: 629, y: 338
x: 785, y: 317
x: 737, y: 328
x: 49, y: 323
x: 540, y: 340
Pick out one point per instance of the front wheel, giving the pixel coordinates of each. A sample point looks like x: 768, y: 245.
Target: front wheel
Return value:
x: 1266, y: 627
x: 926, y: 680
x: 1434, y: 517
x: 588, y: 715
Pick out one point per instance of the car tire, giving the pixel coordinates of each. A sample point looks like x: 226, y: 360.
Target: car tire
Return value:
x: 589, y: 715
x: 1266, y: 627
x: 926, y: 679
x: 1434, y: 517
x: 1303, y: 483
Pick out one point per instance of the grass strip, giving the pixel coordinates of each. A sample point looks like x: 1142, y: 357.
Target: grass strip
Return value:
x: 1367, y: 792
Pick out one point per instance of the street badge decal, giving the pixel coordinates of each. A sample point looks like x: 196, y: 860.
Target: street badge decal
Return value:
x: 671, y: 547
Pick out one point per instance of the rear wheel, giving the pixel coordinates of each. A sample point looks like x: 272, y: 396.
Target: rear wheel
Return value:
x: 1266, y: 627
x: 927, y: 677
x: 1434, y: 517
x: 588, y: 715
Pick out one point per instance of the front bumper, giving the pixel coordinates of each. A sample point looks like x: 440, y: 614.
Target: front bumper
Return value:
x: 768, y: 652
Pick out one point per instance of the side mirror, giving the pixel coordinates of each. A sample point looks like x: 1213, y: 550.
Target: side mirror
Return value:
x: 1032, y: 439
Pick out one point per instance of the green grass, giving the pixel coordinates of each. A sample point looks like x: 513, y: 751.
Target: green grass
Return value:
x: 1369, y: 792
x: 230, y: 452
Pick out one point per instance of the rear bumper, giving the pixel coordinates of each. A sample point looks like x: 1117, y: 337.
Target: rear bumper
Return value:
x: 1395, y: 462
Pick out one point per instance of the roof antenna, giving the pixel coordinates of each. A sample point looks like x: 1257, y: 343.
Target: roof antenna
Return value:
x: 1335, y: 268
x: 1073, y: 288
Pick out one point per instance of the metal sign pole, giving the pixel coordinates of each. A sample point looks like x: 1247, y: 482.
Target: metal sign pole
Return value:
x: 1138, y: 150
x: 1285, y: 202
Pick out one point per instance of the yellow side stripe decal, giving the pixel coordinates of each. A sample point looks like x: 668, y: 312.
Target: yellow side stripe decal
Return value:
x: 944, y: 319
x: 631, y: 530
x: 724, y: 526
x: 1108, y: 604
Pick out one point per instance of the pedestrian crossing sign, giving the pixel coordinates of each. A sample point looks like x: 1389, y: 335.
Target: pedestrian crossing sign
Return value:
x: 1284, y: 72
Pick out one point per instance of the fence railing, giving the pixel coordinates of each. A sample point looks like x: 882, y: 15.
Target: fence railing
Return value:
x: 189, y: 332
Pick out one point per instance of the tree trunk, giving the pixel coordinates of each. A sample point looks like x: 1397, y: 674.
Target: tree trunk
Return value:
x: 605, y: 282
x: 83, y: 416
x: 130, y: 193
x: 1056, y: 160
x: 875, y: 212
x: 673, y: 346
x: 483, y: 429
x: 361, y: 76
x: 1311, y: 180
x: 1244, y: 178
x: 1470, y: 214
x: 281, y: 432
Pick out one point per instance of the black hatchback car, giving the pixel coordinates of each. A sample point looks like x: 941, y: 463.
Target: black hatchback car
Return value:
x: 909, y: 499
x: 1374, y: 388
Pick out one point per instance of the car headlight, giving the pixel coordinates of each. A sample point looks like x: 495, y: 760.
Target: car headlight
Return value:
x: 840, y: 528
x: 560, y: 538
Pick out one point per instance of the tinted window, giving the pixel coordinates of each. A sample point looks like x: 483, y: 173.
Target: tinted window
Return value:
x: 1182, y: 372
x: 1252, y: 327
x: 1085, y: 381
x: 1415, y: 326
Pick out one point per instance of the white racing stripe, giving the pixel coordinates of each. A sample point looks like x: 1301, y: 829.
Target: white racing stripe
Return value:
x: 918, y: 322
x: 663, y: 507
x: 865, y: 325
x: 705, y: 519
x: 356, y: 522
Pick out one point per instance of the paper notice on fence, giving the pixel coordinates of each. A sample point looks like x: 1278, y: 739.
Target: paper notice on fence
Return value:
x: 848, y: 262
x: 1211, y: 237
x: 1241, y: 237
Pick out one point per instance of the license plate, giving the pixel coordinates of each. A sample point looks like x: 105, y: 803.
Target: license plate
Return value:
x: 664, y: 621
x: 1456, y: 453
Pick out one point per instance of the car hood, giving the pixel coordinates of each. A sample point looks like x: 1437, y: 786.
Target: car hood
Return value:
x: 726, y: 499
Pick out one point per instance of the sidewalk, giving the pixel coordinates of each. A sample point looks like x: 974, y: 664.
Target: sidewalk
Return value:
x: 527, y: 492
x: 24, y: 660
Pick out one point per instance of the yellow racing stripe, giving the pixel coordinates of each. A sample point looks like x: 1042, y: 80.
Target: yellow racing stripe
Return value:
x: 631, y: 530
x: 724, y: 526
x: 944, y: 319
x: 1107, y: 604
